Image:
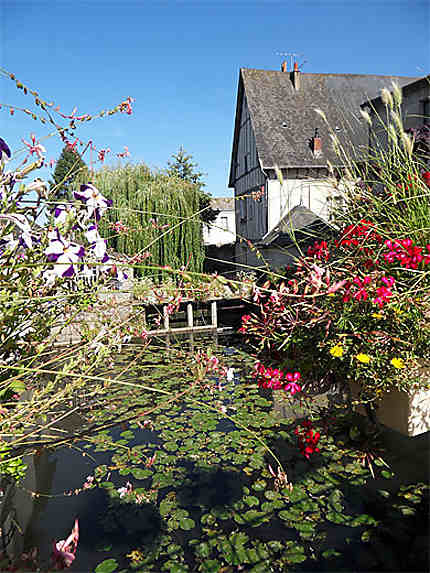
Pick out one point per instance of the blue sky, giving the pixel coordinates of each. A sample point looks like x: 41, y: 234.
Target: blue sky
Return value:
x: 180, y: 60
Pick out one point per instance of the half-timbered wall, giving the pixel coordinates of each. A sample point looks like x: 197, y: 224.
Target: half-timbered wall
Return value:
x: 251, y: 212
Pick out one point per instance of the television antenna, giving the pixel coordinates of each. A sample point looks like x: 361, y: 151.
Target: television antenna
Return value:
x: 292, y: 57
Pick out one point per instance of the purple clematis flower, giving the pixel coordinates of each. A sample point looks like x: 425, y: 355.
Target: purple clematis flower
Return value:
x: 95, y: 202
x: 4, y: 150
x: 64, y: 254
x: 97, y: 243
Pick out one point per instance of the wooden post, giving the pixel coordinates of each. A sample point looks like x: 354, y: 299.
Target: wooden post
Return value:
x: 214, y: 314
x: 190, y: 317
x: 166, y: 317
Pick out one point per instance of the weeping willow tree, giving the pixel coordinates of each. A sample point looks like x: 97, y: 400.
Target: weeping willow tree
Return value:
x: 161, y: 213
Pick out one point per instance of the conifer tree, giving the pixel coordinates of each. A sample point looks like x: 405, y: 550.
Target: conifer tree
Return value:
x: 183, y: 167
x: 69, y: 173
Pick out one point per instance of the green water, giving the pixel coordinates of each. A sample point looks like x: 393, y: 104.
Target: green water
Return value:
x: 208, y: 502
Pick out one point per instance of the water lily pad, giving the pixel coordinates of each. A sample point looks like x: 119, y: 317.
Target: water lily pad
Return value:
x: 336, y: 517
x: 330, y: 553
x: 173, y: 567
x: 139, y: 473
x: 107, y: 566
x: 203, y: 550
x: 127, y: 434
x: 259, y: 485
x: 295, y: 553
x: 210, y: 566
x: 251, y: 500
x: 254, y: 518
x: 186, y: 523
x: 363, y: 519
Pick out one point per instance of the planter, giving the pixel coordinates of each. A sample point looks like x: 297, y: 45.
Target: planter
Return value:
x: 405, y: 412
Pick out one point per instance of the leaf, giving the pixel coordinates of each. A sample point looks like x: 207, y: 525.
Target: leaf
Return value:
x: 210, y: 566
x: 186, y: 523
x: 177, y: 568
x: 338, y: 518
x: 259, y: 485
x: 363, y: 519
x: 165, y: 507
x: 330, y: 553
x: 203, y: 550
x: 107, y: 566
x: 407, y: 510
x: 139, y: 473
x: 251, y: 500
x: 304, y: 526
x: 17, y: 386
x: 127, y: 434
x: 294, y: 554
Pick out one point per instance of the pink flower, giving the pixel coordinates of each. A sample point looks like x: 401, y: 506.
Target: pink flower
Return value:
x: 125, y: 490
x: 125, y: 106
x: 64, y: 551
x: 125, y: 153
x: 101, y: 154
x: 292, y: 387
x: 34, y: 146
x: 336, y: 286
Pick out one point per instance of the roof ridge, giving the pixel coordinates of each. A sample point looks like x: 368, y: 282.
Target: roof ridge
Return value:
x: 334, y: 74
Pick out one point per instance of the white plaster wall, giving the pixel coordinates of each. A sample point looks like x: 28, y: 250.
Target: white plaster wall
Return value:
x: 316, y: 194
x: 215, y: 234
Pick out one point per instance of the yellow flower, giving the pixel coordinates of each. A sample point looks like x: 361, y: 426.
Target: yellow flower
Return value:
x: 365, y: 358
x: 377, y: 315
x: 398, y: 363
x: 336, y: 351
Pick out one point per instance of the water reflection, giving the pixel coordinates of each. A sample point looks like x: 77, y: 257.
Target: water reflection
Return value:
x: 58, y: 475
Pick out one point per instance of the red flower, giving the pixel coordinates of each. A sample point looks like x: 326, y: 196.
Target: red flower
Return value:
x: 307, y: 439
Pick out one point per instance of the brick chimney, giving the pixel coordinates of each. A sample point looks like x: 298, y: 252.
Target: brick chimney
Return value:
x: 316, y: 144
x: 284, y: 66
x: 295, y: 76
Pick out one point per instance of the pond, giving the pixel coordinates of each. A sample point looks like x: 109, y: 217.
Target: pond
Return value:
x: 188, y: 487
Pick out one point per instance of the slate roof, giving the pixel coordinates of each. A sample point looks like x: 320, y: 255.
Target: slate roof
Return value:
x: 300, y: 225
x: 284, y: 119
x: 406, y: 90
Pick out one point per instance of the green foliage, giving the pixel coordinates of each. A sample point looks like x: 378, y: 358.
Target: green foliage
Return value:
x: 182, y: 167
x: 70, y: 172
x: 160, y: 214
x: 11, y: 465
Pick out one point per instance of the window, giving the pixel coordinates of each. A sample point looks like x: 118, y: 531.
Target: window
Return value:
x: 246, y: 163
x: 224, y: 223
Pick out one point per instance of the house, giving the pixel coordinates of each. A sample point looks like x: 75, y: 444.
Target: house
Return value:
x: 222, y: 231
x: 282, y: 148
x: 415, y: 111
x: 219, y: 237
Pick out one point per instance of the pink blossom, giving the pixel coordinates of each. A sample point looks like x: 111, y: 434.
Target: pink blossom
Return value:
x: 125, y: 153
x: 101, y: 154
x: 125, y: 106
x: 34, y: 146
x: 64, y: 551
